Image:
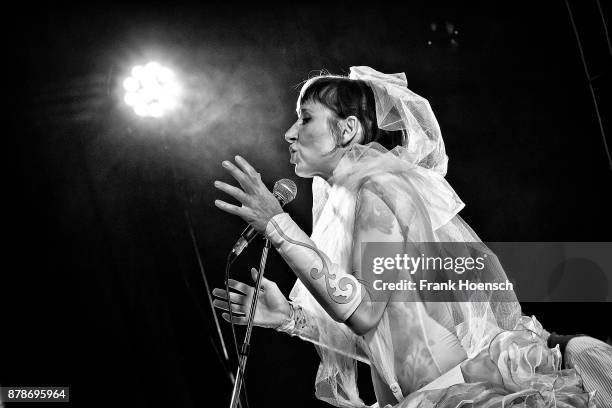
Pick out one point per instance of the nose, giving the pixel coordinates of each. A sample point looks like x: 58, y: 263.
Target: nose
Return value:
x: 291, y: 133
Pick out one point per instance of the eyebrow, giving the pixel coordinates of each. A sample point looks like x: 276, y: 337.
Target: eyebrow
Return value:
x: 306, y: 110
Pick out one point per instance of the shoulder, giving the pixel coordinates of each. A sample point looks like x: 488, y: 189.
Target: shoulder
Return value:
x: 376, y: 183
x: 373, y: 211
x: 379, y: 191
x: 371, y: 194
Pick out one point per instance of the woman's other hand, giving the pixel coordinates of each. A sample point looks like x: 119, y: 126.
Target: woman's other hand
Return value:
x: 272, y: 306
x: 259, y: 205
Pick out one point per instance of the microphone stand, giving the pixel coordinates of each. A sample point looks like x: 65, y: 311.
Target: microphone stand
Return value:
x: 244, y: 350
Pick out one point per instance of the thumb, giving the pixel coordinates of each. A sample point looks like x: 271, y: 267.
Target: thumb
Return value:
x: 254, y: 273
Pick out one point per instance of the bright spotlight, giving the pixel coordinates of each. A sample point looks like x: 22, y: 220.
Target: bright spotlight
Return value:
x: 151, y: 90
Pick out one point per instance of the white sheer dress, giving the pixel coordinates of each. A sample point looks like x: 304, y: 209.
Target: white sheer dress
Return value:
x: 478, y: 352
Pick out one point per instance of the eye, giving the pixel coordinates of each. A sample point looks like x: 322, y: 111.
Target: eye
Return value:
x: 305, y: 120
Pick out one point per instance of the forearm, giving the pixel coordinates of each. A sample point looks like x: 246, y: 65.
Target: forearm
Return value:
x: 337, y: 291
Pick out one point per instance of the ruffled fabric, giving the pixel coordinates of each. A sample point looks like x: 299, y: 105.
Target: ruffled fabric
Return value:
x: 517, y: 369
x: 504, y: 355
x: 398, y: 177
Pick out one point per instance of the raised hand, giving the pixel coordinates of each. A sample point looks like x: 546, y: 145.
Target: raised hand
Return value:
x: 272, y: 306
x: 258, y: 203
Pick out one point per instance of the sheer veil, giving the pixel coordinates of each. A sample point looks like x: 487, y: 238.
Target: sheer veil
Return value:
x: 410, y: 180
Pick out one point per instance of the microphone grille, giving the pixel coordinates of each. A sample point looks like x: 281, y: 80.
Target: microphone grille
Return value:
x: 285, y: 190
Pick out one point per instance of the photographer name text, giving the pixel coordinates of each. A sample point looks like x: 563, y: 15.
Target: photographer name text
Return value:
x: 423, y: 284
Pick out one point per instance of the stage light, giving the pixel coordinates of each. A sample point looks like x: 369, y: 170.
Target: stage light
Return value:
x: 151, y: 90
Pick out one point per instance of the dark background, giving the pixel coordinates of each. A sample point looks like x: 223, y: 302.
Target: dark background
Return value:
x: 103, y: 292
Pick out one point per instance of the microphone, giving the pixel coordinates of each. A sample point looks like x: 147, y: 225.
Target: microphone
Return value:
x: 285, y: 191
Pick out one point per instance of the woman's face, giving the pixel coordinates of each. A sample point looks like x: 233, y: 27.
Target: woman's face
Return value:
x: 312, y: 143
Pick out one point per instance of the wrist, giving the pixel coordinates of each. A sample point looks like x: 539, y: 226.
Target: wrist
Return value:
x: 287, y: 311
x: 287, y: 324
x: 280, y: 219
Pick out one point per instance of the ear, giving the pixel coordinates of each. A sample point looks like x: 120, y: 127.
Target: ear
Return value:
x: 350, y: 130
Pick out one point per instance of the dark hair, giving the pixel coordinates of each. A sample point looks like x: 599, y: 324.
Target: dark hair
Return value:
x: 349, y: 97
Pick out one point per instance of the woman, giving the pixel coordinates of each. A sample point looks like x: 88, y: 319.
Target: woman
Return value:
x: 377, y: 159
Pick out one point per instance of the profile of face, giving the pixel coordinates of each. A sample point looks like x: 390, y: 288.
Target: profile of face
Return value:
x: 312, y: 143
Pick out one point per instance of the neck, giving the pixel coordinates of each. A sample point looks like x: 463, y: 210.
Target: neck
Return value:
x: 336, y: 157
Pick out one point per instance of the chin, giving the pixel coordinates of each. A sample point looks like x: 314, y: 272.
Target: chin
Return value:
x: 300, y: 172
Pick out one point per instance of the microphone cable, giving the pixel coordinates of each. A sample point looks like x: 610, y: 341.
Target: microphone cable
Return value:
x: 228, y: 264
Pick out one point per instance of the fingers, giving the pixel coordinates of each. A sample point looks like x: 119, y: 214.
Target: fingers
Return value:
x: 236, y: 298
x: 236, y: 173
x: 222, y: 304
x: 265, y: 282
x: 244, y: 173
x: 254, y: 276
x: 235, y: 192
x: 246, y: 167
x: 236, y: 319
x: 230, y: 208
x: 239, y: 286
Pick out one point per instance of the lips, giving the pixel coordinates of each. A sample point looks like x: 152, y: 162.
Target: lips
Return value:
x: 293, y: 156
